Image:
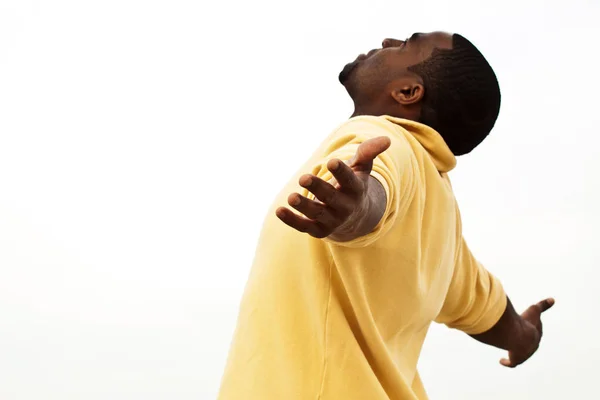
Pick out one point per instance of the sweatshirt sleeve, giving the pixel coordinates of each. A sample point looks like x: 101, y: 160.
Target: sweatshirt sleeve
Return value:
x: 475, y: 300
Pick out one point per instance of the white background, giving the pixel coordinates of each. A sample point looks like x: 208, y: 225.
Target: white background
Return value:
x: 141, y: 143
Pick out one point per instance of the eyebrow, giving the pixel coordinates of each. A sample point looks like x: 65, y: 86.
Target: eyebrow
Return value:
x: 414, y: 36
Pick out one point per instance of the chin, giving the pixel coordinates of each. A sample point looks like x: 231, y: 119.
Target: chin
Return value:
x: 346, y: 72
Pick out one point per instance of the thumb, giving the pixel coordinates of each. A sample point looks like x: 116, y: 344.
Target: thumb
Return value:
x: 535, y: 311
x: 368, y: 150
x: 545, y: 304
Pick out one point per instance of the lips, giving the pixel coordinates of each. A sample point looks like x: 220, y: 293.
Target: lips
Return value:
x: 365, y: 56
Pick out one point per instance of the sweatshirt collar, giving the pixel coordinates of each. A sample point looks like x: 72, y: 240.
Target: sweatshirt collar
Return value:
x: 431, y: 140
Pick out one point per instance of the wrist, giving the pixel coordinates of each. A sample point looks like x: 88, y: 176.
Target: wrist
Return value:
x: 367, y: 215
x: 353, y: 226
x: 507, y: 333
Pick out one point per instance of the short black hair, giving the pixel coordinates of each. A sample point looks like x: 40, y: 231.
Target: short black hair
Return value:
x: 462, y: 95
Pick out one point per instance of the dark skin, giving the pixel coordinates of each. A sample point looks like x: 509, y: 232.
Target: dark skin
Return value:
x: 353, y: 207
x: 380, y: 83
x: 344, y: 210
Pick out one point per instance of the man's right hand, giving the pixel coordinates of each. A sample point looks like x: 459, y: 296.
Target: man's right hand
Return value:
x: 350, y: 209
x: 528, y: 340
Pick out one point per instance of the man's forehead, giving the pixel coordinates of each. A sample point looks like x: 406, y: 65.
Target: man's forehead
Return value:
x: 437, y: 39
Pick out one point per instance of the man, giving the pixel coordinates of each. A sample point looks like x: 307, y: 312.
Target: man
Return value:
x: 338, y: 307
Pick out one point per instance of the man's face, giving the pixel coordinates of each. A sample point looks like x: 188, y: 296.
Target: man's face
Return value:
x: 379, y: 66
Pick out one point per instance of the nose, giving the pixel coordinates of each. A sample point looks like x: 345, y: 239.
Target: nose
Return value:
x: 391, y: 43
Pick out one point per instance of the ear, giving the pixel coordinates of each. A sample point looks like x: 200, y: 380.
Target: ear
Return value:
x: 408, y: 93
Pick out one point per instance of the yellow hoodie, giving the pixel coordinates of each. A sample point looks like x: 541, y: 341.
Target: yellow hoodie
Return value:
x: 321, y: 320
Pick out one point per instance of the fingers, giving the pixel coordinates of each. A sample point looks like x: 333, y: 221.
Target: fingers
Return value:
x: 300, y: 223
x: 507, y: 363
x: 326, y: 193
x: 312, y: 209
x: 545, y: 305
x: 512, y: 361
x: 345, y: 177
x: 338, y: 203
x: 368, y: 150
x: 318, y: 221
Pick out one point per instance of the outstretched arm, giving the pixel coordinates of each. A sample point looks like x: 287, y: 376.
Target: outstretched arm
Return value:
x: 350, y: 209
x: 477, y: 305
x: 519, y: 334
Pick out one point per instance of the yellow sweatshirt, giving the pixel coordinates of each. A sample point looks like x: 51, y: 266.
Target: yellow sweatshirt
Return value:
x: 321, y: 320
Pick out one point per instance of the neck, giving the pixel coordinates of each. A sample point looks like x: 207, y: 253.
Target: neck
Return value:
x: 370, y: 108
x: 376, y: 109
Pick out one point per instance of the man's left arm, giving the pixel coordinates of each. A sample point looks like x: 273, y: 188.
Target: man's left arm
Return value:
x: 477, y: 305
